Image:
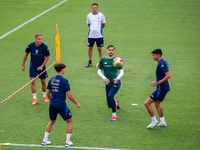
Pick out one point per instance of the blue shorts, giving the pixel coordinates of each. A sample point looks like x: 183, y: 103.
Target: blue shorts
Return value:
x: 158, y: 95
x: 33, y: 72
x: 99, y: 42
x: 61, y: 109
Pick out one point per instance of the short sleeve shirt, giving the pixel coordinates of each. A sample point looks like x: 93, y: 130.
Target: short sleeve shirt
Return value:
x: 37, y: 53
x: 161, y: 69
x: 58, y: 86
x: 95, y: 28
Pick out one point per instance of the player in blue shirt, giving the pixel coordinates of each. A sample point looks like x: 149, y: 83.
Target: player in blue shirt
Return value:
x: 57, y: 89
x: 162, y: 87
x: 39, y: 57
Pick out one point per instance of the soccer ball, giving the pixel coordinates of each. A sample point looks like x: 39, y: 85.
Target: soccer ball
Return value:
x: 117, y: 62
x: 97, y: 66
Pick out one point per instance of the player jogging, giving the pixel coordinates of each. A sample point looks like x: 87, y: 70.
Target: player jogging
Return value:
x: 39, y: 57
x: 96, y: 22
x: 111, y: 79
x: 57, y: 89
x: 162, y: 87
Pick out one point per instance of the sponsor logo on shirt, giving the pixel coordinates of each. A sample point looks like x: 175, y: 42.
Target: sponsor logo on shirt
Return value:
x: 105, y: 63
x: 54, y: 90
x: 55, y: 85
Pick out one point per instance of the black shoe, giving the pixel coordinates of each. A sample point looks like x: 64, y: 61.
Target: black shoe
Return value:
x: 88, y: 65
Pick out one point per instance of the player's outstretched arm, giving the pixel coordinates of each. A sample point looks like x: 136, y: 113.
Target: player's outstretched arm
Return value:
x: 71, y: 97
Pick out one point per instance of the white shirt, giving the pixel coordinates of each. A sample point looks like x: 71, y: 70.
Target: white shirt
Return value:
x: 95, y: 28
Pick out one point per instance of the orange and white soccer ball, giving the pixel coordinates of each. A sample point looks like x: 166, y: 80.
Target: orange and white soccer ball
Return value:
x: 117, y: 62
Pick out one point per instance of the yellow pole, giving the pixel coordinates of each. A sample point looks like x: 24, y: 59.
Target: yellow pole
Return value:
x: 57, y: 42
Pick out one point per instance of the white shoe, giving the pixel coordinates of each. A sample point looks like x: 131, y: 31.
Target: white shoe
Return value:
x: 45, y: 143
x: 152, y: 124
x: 162, y: 125
x: 69, y: 144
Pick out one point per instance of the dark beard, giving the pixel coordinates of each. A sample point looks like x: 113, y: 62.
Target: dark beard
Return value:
x: 110, y: 55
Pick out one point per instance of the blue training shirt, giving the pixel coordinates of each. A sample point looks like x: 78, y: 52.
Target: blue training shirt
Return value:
x: 58, y: 86
x: 161, y: 69
x: 37, y: 54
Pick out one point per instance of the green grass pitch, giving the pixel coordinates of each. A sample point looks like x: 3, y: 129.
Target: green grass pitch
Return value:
x: 135, y: 28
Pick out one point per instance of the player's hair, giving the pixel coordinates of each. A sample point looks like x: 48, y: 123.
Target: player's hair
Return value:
x: 110, y: 45
x: 95, y: 4
x: 59, y: 66
x: 38, y: 34
x: 157, y: 51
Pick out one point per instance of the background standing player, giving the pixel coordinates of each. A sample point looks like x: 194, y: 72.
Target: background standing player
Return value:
x: 162, y: 87
x: 57, y: 89
x: 39, y: 57
x: 96, y: 22
x: 111, y: 79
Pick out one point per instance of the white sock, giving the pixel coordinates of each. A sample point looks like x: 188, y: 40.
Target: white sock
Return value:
x: 114, y: 114
x: 154, y: 119
x: 44, y: 94
x: 46, y: 136
x: 34, y: 95
x: 162, y: 120
x: 68, y: 138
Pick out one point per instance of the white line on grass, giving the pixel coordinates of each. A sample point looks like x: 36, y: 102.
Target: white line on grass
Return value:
x: 23, y: 24
x: 33, y: 145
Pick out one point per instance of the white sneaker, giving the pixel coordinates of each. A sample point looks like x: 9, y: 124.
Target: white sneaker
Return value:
x: 45, y: 143
x: 152, y: 124
x: 69, y: 144
x: 162, y: 125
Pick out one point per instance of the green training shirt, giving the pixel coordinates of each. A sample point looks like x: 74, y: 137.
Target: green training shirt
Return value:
x: 110, y: 71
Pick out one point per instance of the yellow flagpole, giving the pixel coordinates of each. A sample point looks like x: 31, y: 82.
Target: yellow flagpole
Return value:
x: 57, y: 44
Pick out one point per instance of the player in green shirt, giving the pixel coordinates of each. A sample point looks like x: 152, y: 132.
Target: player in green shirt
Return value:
x: 111, y: 79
